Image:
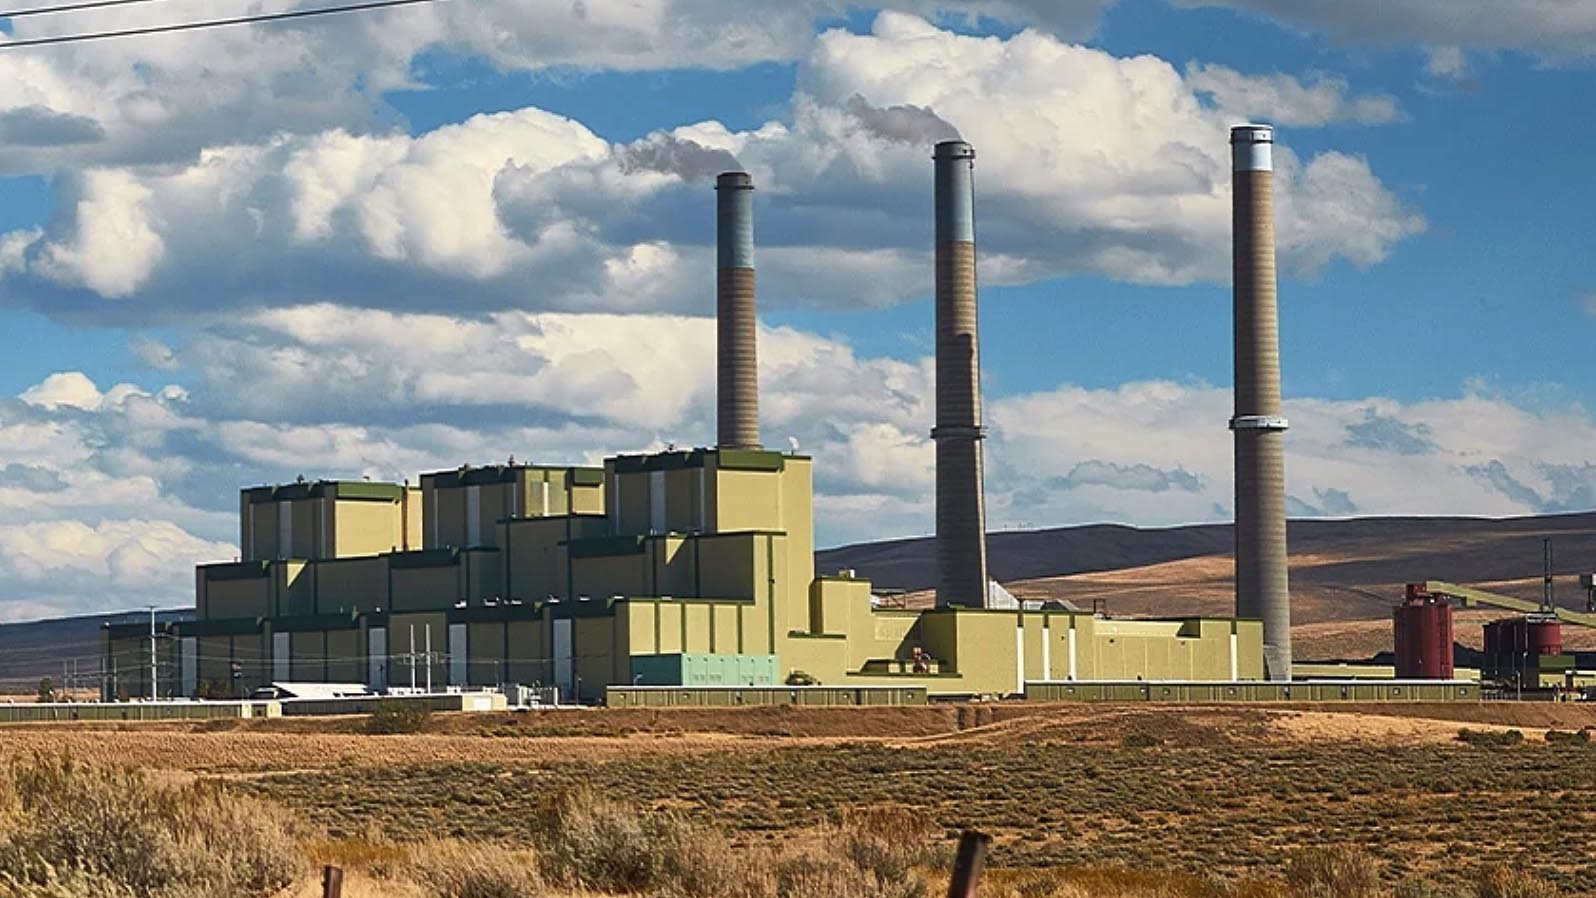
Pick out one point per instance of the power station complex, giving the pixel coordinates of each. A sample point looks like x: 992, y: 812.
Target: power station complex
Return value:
x: 696, y: 568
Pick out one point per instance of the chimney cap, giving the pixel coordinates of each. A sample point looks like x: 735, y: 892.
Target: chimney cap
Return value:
x: 734, y: 180
x: 953, y: 149
x: 1252, y: 134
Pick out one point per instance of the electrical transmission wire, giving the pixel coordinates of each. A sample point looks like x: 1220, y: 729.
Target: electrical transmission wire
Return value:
x: 70, y: 7
x: 207, y: 23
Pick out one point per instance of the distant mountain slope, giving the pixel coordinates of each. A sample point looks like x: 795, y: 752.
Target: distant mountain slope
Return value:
x: 1341, y: 571
x: 1358, y: 550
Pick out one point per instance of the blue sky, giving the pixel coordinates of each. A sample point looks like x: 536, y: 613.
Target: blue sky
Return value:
x: 286, y: 265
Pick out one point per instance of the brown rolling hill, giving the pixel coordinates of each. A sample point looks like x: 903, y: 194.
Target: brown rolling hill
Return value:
x: 1345, y: 574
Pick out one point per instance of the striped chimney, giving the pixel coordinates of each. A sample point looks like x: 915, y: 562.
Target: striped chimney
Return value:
x: 737, y: 363
x: 1262, y: 591
x: 961, y: 505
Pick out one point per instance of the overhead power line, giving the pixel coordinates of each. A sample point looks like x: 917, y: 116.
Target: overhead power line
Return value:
x: 208, y: 23
x: 70, y: 7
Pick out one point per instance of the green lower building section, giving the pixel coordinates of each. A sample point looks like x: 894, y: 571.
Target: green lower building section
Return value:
x: 755, y: 696
x: 684, y: 669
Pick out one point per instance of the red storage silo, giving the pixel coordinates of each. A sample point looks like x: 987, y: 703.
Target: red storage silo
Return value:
x: 1423, y: 640
x: 1544, y: 636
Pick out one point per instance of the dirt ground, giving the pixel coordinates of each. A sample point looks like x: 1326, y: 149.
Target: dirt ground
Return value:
x: 1221, y: 788
x: 291, y: 744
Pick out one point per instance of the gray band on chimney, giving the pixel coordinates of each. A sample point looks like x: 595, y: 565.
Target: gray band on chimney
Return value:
x: 736, y: 324
x: 961, y: 505
x: 1262, y: 587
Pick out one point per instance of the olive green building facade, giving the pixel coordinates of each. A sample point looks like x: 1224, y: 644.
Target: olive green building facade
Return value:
x: 664, y: 569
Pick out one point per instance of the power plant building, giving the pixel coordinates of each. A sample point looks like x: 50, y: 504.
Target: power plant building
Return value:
x: 591, y: 577
x: 692, y: 567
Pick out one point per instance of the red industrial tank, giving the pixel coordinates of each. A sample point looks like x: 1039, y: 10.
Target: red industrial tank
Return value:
x: 1545, y: 636
x: 1514, y: 645
x: 1423, y: 639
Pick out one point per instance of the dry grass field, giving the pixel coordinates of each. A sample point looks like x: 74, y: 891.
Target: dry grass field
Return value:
x: 1209, y: 801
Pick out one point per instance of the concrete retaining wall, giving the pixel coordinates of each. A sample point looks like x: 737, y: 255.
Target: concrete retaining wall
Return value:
x: 61, y: 712
x: 1316, y: 691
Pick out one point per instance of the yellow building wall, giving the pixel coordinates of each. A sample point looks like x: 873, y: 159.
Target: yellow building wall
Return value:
x: 485, y: 643
x: 727, y: 564
x: 236, y: 598
x: 423, y: 588
x: 351, y: 584
x: 295, y: 589
x: 587, y: 499
x: 213, y: 666
x: 529, y: 655
x: 747, y: 500
x: 725, y: 632
x: 486, y: 577
x: 307, y: 655
x: 535, y: 557
x: 346, y: 656
x: 600, y: 655
x: 629, y: 502
x: 601, y: 577
x: 366, y: 527
x: 673, y: 565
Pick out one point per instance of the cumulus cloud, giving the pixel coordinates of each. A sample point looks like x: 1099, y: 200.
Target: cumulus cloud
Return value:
x: 37, y: 126
x: 153, y: 353
x: 1447, y: 62
x: 65, y: 388
x: 1377, y: 431
x: 71, y: 567
x: 1125, y: 175
x: 1127, y: 477
x: 164, y: 98
x: 1286, y: 100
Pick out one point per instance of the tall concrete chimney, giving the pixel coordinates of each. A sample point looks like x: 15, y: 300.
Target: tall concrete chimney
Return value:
x: 737, y: 362
x: 1260, y: 430
x: 961, y: 505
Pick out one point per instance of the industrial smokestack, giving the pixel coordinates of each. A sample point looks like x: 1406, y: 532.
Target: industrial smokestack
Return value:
x: 1260, y: 430
x: 737, y: 364
x: 961, y: 505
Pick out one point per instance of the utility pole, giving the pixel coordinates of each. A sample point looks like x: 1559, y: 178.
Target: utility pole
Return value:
x: 155, y: 690
x: 1548, y: 591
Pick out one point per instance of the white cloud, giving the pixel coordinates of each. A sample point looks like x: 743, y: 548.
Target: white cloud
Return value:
x: 1448, y: 62
x: 163, y: 98
x: 65, y: 388
x: 153, y: 353
x: 1286, y: 100
x: 1089, y: 163
x: 114, y: 244
x: 1558, y: 29
x: 67, y: 566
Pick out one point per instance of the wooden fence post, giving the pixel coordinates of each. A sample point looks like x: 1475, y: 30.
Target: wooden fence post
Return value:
x: 332, y: 882
x: 969, y: 864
